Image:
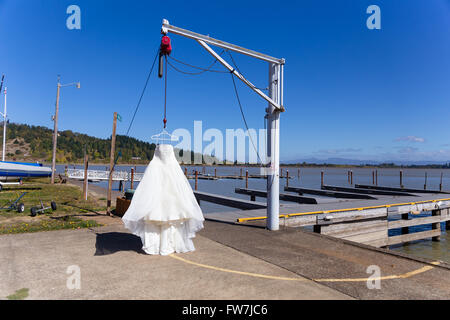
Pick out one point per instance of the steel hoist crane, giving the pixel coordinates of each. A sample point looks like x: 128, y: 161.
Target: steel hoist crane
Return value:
x: 274, y: 98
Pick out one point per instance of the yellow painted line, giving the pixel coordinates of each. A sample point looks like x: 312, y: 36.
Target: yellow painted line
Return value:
x: 344, y: 210
x: 258, y: 275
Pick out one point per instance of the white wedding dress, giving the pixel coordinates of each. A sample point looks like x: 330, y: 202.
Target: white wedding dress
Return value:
x: 164, y: 212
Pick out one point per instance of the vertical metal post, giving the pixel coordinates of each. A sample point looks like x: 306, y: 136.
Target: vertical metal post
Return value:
x: 273, y: 148
x: 111, y: 165
x: 55, y: 131
x: 4, y: 129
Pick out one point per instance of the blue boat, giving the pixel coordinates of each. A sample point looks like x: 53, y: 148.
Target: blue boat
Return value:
x: 23, y: 170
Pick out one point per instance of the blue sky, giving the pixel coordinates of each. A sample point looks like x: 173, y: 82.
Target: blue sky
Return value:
x: 350, y: 92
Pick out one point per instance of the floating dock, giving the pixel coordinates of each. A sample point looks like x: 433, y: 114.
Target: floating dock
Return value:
x: 334, y: 194
x: 359, y: 220
x: 283, y: 196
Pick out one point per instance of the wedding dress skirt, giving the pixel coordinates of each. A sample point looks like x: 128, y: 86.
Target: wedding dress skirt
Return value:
x: 164, y: 212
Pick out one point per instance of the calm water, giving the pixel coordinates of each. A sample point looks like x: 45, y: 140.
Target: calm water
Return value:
x: 310, y: 178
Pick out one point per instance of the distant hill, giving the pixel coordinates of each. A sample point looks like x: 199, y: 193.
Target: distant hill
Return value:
x: 35, y: 143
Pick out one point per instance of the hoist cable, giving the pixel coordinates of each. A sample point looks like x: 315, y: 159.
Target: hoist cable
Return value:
x: 243, y: 118
x: 237, y: 68
x: 197, y: 67
x: 165, y: 93
x: 143, y: 91
x: 137, y: 106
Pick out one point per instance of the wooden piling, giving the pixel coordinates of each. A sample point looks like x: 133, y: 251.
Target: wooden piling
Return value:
x: 215, y: 172
x: 132, y: 178
x: 373, y: 177
x: 376, y: 177
x: 425, y: 184
x: 287, y: 178
x: 351, y: 177
x: 321, y: 178
x: 281, y: 172
x: 196, y: 180
x: 85, y: 182
x: 246, y: 179
x: 111, y: 165
x: 401, y: 179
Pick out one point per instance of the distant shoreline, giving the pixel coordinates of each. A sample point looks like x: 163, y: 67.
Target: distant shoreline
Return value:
x: 302, y: 165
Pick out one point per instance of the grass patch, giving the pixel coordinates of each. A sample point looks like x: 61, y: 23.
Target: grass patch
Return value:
x: 73, y: 212
x: 67, y: 222
x: 19, y: 294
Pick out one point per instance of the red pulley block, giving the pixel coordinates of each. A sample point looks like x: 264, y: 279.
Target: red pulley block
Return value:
x: 166, y: 46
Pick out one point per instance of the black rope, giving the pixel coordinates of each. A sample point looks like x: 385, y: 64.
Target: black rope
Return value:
x: 237, y: 68
x: 137, y: 107
x: 197, y: 67
x: 143, y: 91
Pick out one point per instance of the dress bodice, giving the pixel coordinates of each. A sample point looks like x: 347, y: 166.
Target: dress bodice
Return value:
x: 164, y: 152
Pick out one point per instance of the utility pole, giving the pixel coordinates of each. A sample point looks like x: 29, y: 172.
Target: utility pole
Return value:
x: 55, y: 130
x: 111, y: 164
x: 55, y: 119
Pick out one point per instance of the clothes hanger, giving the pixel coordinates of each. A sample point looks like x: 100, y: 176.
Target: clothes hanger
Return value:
x: 164, y: 136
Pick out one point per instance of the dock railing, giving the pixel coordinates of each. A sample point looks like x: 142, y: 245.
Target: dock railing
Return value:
x: 103, y: 175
